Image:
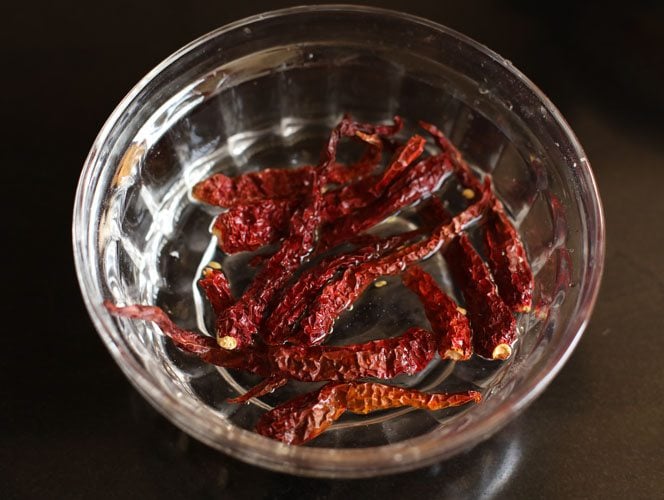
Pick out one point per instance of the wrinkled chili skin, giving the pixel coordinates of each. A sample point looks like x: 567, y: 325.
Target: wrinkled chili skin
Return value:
x: 246, y: 227
x: 277, y: 183
x: 249, y: 226
x: 202, y: 346
x: 306, y: 417
x: 337, y: 295
x: 451, y: 327
x: 241, y: 321
x: 491, y: 320
x: 295, y: 299
x: 366, y: 397
x: 417, y: 183
x: 506, y: 253
x: 403, y: 157
x: 223, y: 191
x: 217, y: 289
x: 385, y: 358
x: 508, y: 262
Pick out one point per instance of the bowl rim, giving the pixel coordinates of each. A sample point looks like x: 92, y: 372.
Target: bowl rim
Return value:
x: 327, y: 462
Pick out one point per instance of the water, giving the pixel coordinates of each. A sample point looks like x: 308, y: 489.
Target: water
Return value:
x: 178, y: 245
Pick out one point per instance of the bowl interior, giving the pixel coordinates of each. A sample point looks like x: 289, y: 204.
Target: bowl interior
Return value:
x: 265, y: 93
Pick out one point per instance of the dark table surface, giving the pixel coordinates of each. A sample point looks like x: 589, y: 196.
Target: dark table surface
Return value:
x: 73, y: 427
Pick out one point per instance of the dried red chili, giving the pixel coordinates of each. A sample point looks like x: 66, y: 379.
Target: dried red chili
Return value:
x: 462, y: 169
x: 295, y: 299
x: 237, y: 325
x: 494, y: 327
x: 448, y: 322
x: 206, y: 348
x: 305, y: 417
x: 265, y: 386
x: 508, y: 261
x: 340, y: 294
x: 223, y: 191
x: 248, y: 226
x: 418, y: 182
x: 294, y: 205
x: 507, y: 256
x: 216, y: 287
x: 404, y: 156
x: 384, y: 358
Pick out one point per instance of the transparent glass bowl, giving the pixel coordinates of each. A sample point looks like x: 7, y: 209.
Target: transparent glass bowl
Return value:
x: 264, y: 92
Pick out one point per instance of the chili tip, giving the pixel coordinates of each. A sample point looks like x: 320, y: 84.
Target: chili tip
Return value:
x: 369, y: 138
x: 227, y: 342
x: 501, y: 352
x: 475, y: 395
x: 454, y: 355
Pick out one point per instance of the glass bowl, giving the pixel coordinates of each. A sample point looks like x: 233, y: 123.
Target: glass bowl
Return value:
x: 264, y: 92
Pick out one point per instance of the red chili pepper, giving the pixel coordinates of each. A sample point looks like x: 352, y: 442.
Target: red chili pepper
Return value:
x: 508, y: 261
x: 347, y: 199
x: 418, y: 182
x: 462, y: 169
x: 384, y: 358
x: 343, y: 174
x: 490, y: 311
x: 237, y: 325
x: 265, y: 386
x: 305, y: 417
x: 248, y: 226
x: 507, y: 256
x: 404, y: 156
x: 448, y: 322
x: 221, y: 190
x: 217, y: 289
x: 494, y: 327
x: 293, y: 205
x: 340, y: 294
x: 204, y: 347
x: 300, y: 295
